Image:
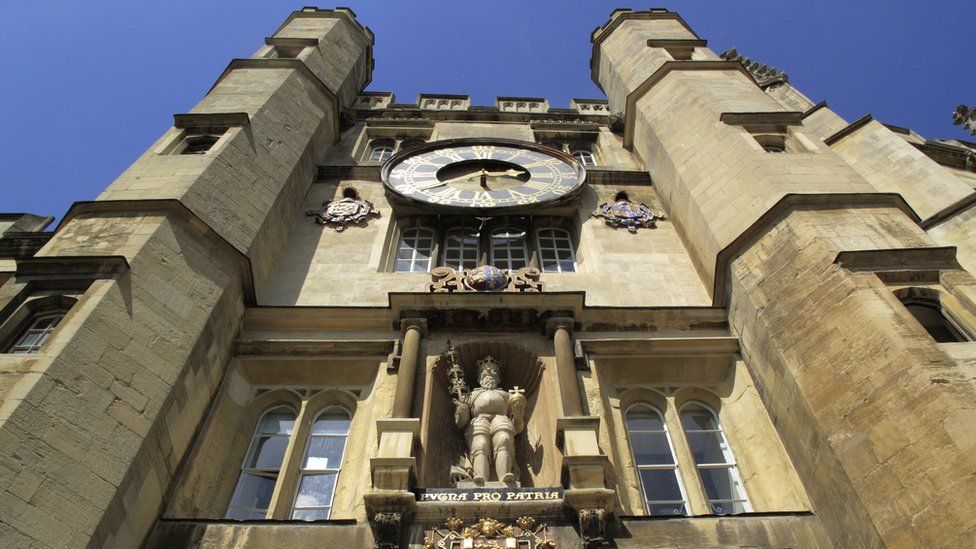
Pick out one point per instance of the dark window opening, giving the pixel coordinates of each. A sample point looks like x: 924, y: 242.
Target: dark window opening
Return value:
x: 199, y: 144
x: 932, y: 318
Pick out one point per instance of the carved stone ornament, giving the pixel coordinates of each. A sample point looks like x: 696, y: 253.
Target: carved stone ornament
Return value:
x: 339, y: 213
x: 386, y: 530
x: 967, y: 117
x: 765, y: 76
x: 488, y: 533
x: 593, y: 528
x: 624, y: 213
x: 485, y: 279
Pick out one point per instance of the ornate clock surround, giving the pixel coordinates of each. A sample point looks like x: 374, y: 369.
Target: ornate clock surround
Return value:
x: 531, y: 176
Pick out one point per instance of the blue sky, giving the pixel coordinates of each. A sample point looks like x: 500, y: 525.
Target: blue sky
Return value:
x: 88, y: 86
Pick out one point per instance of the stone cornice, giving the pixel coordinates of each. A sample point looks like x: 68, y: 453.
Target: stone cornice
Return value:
x: 345, y: 14
x: 949, y: 212
x: 848, y: 130
x: 298, y: 66
x: 658, y: 75
x: 899, y: 259
x: 813, y: 109
x: 661, y: 345
x: 824, y: 201
x: 167, y: 205
x: 76, y: 266
x: 211, y: 120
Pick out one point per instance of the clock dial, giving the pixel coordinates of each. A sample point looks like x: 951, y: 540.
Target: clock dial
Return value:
x: 483, y: 174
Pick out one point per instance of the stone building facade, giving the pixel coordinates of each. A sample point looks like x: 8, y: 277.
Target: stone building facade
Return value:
x: 720, y: 314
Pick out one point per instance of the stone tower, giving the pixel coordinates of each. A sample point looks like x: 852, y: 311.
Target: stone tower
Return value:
x: 311, y: 315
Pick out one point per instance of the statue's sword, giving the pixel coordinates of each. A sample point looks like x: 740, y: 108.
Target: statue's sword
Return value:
x: 455, y: 374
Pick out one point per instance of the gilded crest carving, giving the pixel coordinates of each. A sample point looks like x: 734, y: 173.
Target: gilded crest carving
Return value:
x: 347, y: 211
x: 624, y: 213
x: 485, y: 279
x: 489, y: 533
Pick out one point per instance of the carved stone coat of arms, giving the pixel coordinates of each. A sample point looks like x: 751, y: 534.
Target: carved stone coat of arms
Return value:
x: 339, y: 213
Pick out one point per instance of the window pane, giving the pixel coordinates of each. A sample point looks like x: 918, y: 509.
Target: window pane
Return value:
x: 331, y: 425
x: 644, y: 419
x: 697, y: 418
x: 254, y: 491
x: 660, y: 485
x: 668, y: 509
x: 245, y: 514
x: 315, y: 490
x: 728, y: 507
x: 311, y: 514
x: 268, y: 452
x: 719, y: 483
x: 324, y: 452
x: 651, y: 448
x: 706, y: 447
x: 277, y: 423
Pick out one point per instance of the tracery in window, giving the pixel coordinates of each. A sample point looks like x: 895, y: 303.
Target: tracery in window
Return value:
x: 556, y: 250
x: 321, y: 464
x: 262, y: 465
x: 36, y: 333
x: 415, y: 250
x: 714, y: 460
x: 461, y: 248
x: 508, y: 249
x: 654, y: 457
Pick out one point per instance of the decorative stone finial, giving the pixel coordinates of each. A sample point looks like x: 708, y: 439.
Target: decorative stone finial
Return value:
x: 765, y: 76
x: 967, y: 117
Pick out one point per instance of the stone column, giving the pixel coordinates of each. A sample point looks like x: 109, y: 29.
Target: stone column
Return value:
x: 413, y: 329
x: 561, y: 330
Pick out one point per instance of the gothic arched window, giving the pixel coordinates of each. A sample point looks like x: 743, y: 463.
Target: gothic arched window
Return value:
x: 714, y: 460
x: 261, y: 467
x: 321, y: 464
x: 414, y: 250
x: 556, y: 250
x: 929, y: 313
x: 36, y: 333
x: 654, y: 458
x: 508, y: 249
x: 461, y: 250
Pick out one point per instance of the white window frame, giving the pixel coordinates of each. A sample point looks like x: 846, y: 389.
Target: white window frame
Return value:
x: 20, y: 346
x: 335, y: 471
x: 409, y: 238
x: 549, y: 244
x: 660, y: 467
x: 459, y: 249
x: 584, y: 157
x: 509, y: 232
x: 268, y: 472
x: 380, y: 152
x: 730, y: 464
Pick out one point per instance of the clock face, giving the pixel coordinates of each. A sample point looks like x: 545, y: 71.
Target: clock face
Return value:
x: 483, y: 174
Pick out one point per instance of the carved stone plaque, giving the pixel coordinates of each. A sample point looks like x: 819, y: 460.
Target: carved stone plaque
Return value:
x: 488, y: 533
x: 339, y: 213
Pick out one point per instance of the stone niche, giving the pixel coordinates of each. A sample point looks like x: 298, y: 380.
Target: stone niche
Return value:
x: 443, y: 444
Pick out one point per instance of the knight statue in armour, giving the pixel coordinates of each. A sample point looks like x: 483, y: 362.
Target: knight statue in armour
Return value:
x: 491, y: 417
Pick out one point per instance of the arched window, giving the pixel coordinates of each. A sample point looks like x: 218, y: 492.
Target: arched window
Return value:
x: 321, y: 464
x: 508, y: 248
x: 259, y: 473
x: 654, y: 457
x: 714, y: 460
x: 928, y: 312
x: 556, y: 250
x: 584, y: 157
x: 380, y: 150
x: 36, y: 333
x: 461, y: 249
x: 415, y: 250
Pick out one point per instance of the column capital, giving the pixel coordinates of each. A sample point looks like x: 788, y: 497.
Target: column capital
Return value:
x: 417, y: 323
x: 554, y: 323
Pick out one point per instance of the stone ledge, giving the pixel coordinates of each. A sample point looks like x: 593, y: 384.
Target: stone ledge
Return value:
x: 851, y: 128
x: 789, y: 201
x: 690, y: 345
x: 333, y: 349
x: 85, y: 266
x: 291, y: 42
x: 211, y: 120
x: 780, y: 118
x: 899, y: 259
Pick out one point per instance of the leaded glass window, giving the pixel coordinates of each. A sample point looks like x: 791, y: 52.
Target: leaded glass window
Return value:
x: 461, y: 250
x: 415, y: 249
x: 556, y: 250
x: 508, y: 249
x: 36, y: 333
